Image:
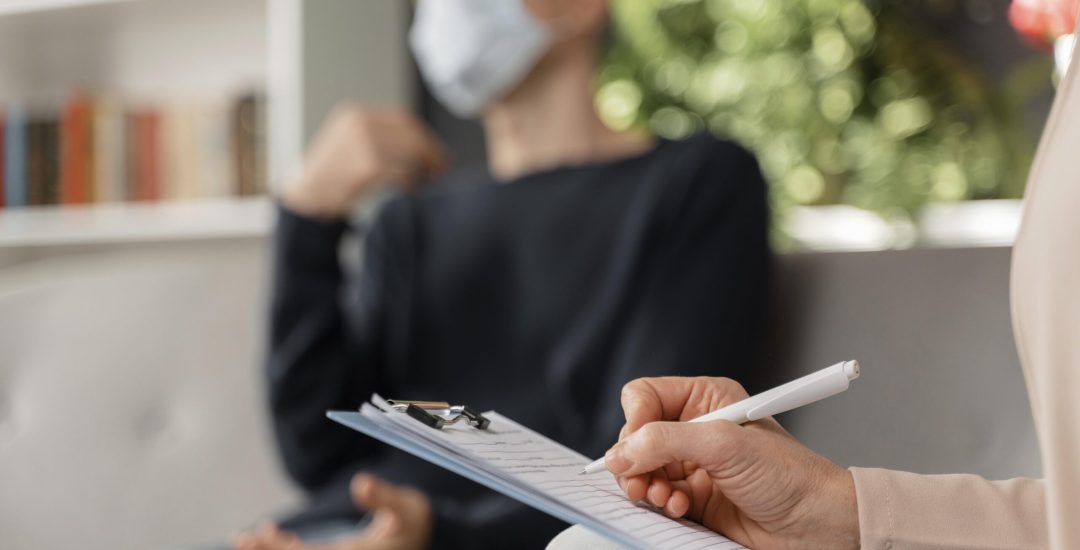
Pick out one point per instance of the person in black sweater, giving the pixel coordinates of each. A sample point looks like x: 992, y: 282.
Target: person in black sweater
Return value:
x: 577, y: 260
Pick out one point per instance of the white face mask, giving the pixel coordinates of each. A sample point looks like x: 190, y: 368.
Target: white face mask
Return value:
x: 473, y: 52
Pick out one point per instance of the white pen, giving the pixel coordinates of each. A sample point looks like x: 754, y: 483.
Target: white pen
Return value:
x: 811, y: 388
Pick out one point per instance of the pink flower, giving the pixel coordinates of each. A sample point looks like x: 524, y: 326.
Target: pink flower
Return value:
x: 1042, y: 21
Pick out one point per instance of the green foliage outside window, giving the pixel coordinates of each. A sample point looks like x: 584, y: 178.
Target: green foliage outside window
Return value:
x: 841, y: 100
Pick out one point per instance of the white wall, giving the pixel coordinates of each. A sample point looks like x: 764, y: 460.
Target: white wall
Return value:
x: 325, y: 52
x: 149, y: 49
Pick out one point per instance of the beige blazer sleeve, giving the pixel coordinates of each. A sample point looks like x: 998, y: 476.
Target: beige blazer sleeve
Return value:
x: 1046, y: 307
x: 901, y: 510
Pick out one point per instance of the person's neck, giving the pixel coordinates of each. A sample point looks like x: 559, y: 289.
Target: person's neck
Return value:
x: 549, y: 121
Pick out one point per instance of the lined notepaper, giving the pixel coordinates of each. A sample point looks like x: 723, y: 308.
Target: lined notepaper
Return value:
x: 525, y: 465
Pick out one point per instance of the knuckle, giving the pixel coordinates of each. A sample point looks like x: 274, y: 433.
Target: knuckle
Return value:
x: 633, y: 394
x: 730, y: 387
x: 726, y: 383
x: 651, y: 438
x: 630, y: 390
x: 357, y: 115
x: 349, y: 109
x: 415, y: 495
x: 364, y: 136
x: 400, y: 113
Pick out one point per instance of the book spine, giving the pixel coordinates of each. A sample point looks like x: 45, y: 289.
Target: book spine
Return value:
x: 191, y: 173
x: 131, y: 156
x: 50, y: 150
x: 91, y: 195
x: 147, y: 161
x: 215, y: 155
x: 247, y: 141
x: 3, y: 167
x: 179, y: 153
x: 110, y: 173
x: 75, y: 152
x: 261, y: 138
x: 42, y: 162
x: 15, y: 157
x: 35, y: 163
x: 168, y: 162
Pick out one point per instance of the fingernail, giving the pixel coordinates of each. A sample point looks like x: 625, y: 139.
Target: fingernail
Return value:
x: 616, y: 462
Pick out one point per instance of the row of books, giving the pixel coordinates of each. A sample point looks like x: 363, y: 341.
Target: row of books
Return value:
x: 96, y: 150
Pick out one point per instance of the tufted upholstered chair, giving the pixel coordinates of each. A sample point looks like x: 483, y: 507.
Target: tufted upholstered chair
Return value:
x: 131, y: 414
x: 131, y: 410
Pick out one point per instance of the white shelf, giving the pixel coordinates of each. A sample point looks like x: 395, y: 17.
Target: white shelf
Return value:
x: 972, y: 223
x: 13, y: 7
x: 134, y: 223
x: 958, y: 225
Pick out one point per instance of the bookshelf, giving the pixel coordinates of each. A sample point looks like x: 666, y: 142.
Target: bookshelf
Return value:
x: 302, y: 56
x: 126, y: 223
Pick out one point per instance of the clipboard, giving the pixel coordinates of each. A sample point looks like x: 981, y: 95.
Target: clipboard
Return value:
x: 479, y: 454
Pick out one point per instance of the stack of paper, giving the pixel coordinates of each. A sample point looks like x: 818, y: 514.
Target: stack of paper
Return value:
x: 535, y: 470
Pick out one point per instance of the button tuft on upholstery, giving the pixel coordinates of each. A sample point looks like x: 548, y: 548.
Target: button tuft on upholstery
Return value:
x: 152, y: 424
x: 7, y: 422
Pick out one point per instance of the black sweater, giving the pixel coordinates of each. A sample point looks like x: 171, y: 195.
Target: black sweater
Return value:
x: 539, y: 297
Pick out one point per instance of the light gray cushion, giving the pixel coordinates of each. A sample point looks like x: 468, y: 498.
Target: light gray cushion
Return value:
x: 131, y: 408
x: 941, y: 388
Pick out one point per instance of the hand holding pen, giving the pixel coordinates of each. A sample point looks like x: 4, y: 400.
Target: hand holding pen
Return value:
x: 753, y: 483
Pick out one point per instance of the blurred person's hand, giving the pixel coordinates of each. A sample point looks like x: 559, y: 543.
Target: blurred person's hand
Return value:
x: 401, y: 520
x: 357, y: 148
x: 754, y: 483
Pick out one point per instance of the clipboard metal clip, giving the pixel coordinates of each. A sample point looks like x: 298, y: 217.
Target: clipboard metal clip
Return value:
x: 437, y: 414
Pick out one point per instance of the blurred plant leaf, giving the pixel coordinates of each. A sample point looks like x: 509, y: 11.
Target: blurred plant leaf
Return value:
x: 843, y: 101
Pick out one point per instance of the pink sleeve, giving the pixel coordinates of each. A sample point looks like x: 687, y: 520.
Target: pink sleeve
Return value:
x: 901, y: 510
